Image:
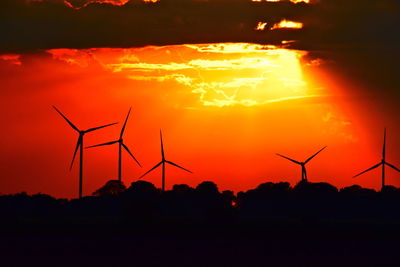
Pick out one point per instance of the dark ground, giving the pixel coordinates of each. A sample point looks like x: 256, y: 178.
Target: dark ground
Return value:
x: 311, y: 224
x: 167, y: 244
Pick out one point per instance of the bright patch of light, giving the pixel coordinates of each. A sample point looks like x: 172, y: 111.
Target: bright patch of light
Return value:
x: 293, y: 1
x: 260, y: 26
x: 223, y: 74
x: 13, y: 58
x: 287, y: 24
x: 232, y: 48
x: 111, y: 2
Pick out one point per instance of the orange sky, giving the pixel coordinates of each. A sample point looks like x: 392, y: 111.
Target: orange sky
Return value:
x: 225, y: 110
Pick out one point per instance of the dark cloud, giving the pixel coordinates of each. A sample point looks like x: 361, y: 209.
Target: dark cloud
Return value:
x: 29, y: 25
x: 359, y: 41
x: 52, y: 24
x: 351, y: 24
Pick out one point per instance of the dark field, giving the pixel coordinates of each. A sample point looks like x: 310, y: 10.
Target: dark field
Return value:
x: 272, y: 225
x: 279, y: 244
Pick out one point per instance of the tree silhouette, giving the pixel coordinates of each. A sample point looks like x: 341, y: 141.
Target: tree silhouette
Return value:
x: 112, y: 187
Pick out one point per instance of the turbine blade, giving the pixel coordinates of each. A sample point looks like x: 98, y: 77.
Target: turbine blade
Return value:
x: 292, y: 160
x: 104, y: 144
x: 126, y: 121
x: 151, y: 169
x: 130, y: 153
x: 392, y: 166
x: 162, y: 146
x: 97, y: 128
x: 310, y: 158
x: 65, y: 118
x: 78, y: 144
x: 367, y: 170
x: 176, y: 165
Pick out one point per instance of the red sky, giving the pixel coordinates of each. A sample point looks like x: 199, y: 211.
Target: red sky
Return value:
x: 225, y: 110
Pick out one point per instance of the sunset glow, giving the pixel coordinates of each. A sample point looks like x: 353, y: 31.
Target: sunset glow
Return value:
x: 246, y: 75
x: 293, y: 1
x: 112, y: 2
x: 287, y: 24
x: 261, y: 26
x: 199, y: 132
x: 13, y: 58
x: 245, y: 101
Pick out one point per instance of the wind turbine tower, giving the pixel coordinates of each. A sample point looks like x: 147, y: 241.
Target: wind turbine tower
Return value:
x: 79, y: 146
x: 163, y: 162
x: 121, y: 145
x: 382, y: 163
x: 302, y: 163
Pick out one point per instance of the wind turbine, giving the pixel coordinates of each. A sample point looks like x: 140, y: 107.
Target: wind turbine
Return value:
x: 163, y: 162
x: 121, y: 145
x: 302, y: 164
x: 79, y: 145
x: 382, y: 163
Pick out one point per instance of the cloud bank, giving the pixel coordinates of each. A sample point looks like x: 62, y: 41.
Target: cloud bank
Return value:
x: 30, y: 25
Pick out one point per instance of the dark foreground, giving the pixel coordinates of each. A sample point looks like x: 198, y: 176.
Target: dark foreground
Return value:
x: 171, y: 244
x: 272, y: 225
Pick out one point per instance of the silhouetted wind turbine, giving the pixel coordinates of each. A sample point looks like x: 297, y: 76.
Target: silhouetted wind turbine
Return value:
x: 163, y: 162
x: 302, y: 164
x: 121, y: 145
x: 79, y: 145
x: 383, y: 162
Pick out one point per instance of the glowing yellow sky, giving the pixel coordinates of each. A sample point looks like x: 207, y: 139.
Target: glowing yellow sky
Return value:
x: 220, y: 74
x: 287, y: 24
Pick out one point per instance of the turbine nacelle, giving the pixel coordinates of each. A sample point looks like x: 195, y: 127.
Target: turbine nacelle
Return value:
x: 163, y: 162
x: 79, y: 145
x: 382, y: 163
x: 122, y: 145
x: 302, y: 164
